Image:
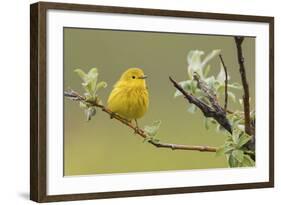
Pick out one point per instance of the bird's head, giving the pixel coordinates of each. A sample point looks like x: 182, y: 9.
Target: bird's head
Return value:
x: 134, y: 77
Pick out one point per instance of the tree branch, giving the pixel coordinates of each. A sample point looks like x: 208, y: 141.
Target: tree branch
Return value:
x: 215, y: 111
x: 246, y: 96
x: 72, y: 95
x: 225, y: 83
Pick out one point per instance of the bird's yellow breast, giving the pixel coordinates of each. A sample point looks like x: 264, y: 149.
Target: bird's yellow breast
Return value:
x: 129, y: 102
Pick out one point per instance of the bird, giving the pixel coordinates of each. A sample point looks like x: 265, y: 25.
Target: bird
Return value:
x: 129, y: 97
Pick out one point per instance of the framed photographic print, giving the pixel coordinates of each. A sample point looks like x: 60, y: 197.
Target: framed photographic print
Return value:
x: 134, y: 102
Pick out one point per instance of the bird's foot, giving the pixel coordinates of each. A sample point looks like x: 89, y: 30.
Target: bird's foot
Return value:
x: 137, y: 130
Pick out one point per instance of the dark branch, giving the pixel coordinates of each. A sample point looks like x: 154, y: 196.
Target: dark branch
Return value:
x: 72, y: 95
x: 225, y: 83
x: 246, y: 96
x: 212, y: 97
x: 215, y: 111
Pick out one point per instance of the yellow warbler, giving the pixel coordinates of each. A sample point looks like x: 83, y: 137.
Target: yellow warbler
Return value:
x: 129, y: 97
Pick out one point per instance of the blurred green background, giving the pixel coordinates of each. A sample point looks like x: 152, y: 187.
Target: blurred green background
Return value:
x: 102, y: 145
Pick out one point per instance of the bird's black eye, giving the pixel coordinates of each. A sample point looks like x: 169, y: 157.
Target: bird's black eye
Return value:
x: 133, y: 77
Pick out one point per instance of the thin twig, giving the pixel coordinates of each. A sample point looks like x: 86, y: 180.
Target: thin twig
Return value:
x: 225, y: 83
x: 215, y: 111
x: 72, y: 95
x: 246, y: 96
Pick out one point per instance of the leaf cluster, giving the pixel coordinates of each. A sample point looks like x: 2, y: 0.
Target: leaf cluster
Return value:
x: 152, y: 130
x: 235, y: 151
x: 91, y: 87
x: 202, y: 68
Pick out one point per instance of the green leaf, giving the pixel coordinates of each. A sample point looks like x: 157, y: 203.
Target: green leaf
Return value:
x: 100, y: 85
x: 207, y: 70
x: 207, y: 123
x: 235, y: 86
x: 88, y: 87
x: 243, y: 140
x: 83, y: 105
x: 220, y: 88
x: 81, y: 74
x: 153, y: 129
x: 93, y: 74
x: 228, y: 149
x: 231, y: 95
x: 210, y: 56
x: 192, y: 108
x: 213, y: 121
x: 235, y: 120
x: 193, y: 87
x: 89, y: 80
x: 238, y: 155
x: 229, y: 139
x: 232, y: 162
x: 229, y: 144
x: 241, y: 102
x: 185, y: 85
x: 88, y: 96
x: 90, y: 112
x: 221, y: 76
x: 220, y: 128
x: 210, y: 81
x: 235, y: 136
x: 248, y: 161
x: 194, y: 62
x: 92, y: 79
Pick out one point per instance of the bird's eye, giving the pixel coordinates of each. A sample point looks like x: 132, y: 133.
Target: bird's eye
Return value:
x: 133, y: 77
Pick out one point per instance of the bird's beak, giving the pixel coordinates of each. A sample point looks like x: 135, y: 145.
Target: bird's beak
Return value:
x: 143, y: 77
